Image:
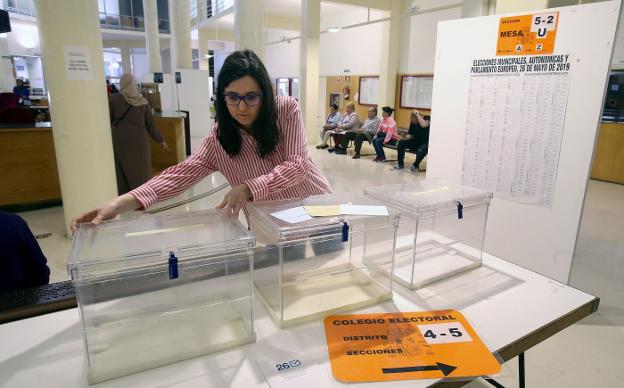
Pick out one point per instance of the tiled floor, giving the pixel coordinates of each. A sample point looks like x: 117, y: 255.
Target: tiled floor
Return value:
x: 585, y: 355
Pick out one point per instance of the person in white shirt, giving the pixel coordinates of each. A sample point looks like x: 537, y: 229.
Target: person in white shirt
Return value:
x: 366, y: 132
x: 351, y: 120
x: 330, y: 124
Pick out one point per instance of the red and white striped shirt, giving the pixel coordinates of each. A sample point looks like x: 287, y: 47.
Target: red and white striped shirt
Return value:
x: 287, y: 172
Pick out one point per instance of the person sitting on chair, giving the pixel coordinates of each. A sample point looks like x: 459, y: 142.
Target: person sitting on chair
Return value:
x: 351, y: 120
x: 22, y: 263
x: 22, y: 92
x: 416, y: 138
x: 358, y: 135
x: 330, y: 124
x: 386, y: 135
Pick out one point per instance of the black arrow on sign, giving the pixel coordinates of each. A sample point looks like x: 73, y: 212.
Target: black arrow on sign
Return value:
x: 445, y: 369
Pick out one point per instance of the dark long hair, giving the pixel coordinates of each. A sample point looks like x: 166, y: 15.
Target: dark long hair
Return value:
x: 264, y: 128
x: 388, y: 110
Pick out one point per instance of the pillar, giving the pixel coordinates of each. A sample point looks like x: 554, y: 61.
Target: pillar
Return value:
x: 204, y: 36
x: 180, y: 18
x: 309, y: 66
x: 7, y: 79
x: 249, y: 26
x: 152, y: 39
x: 391, y: 42
x: 69, y: 32
x: 126, y: 62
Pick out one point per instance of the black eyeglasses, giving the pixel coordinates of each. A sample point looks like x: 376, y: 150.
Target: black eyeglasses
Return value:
x: 251, y: 99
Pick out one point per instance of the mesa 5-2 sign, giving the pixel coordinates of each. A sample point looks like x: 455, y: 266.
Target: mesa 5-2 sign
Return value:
x: 527, y: 34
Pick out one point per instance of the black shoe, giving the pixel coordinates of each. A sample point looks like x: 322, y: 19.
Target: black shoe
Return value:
x: 321, y: 146
x: 341, y: 151
x: 331, y: 150
x: 356, y: 156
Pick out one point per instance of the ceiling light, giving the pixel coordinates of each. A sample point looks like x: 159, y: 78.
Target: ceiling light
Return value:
x: 333, y: 29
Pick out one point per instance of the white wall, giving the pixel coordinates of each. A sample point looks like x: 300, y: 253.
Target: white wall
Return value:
x: 194, y: 95
x: 419, y: 55
x: 35, y: 72
x: 282, y: 59
x: 21, y: 70
x: 357, y: 49
x: 219, y: 58
x: 332, y: 18
x: 617, y: 61
x: 23, y: 38
x: 140, y: 65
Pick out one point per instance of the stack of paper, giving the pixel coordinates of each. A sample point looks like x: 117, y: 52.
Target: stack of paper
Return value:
x: 305, y: 213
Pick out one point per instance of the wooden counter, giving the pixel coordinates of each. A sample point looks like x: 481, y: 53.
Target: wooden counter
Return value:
x: 608, y: 164
x: 172, y: 129
x: 28, y: 162
x: 28, y: 166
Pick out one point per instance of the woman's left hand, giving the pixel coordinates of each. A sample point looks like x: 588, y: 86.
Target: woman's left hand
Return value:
x: 235, y: 199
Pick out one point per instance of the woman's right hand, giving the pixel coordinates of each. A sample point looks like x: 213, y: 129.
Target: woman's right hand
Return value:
x: 107, y: 211
x: 94, y: 216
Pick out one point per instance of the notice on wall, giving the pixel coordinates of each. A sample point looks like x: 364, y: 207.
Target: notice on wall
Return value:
x: 514, y: 126
x: 527, y: 34
x: 406, y: 346
x: 78, y: 63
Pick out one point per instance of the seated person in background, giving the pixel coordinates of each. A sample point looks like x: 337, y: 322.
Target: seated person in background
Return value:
x: 330, y: 124
x: 358, y: 135
x: 22, y: 92
x: 416, y: 138
x: 351, y: 120
x: 22, y: 263
x: 386, y: 135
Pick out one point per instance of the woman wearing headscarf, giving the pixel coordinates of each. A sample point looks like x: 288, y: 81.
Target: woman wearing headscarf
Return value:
x: 132, y: 126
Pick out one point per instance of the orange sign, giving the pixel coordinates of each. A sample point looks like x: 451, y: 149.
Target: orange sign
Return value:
x: 527, y: 34
x: 405, y: 346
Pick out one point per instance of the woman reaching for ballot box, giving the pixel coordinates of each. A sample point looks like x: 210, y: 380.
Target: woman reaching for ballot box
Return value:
x: 258, y: 143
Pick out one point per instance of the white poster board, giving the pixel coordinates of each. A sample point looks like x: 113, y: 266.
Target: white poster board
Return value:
x: 537, y: 228
x: 514, y: 126
x: 416, y: 91
x: 194, y: 95
x: 369, y: 91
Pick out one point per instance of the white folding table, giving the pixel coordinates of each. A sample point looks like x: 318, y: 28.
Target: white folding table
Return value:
x: 512, y: 309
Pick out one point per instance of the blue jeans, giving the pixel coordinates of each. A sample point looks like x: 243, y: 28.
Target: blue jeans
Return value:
x: 378, y: 145
x: 419, y: 149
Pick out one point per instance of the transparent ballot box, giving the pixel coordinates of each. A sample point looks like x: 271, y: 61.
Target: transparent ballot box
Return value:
x: 160, y: 289
x: 307, y: 270
x: 441, y: 230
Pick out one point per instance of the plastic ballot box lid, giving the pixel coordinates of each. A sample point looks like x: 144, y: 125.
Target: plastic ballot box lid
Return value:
x: 429, y: 197
x: 324, y: 213
x: 115, y: 247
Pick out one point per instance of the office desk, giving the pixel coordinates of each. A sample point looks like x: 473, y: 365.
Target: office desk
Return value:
x: 510, y: 307
x: 28, y: 160
x: 608, y: 164
x: 171, y: 125
x: 28, y: 165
